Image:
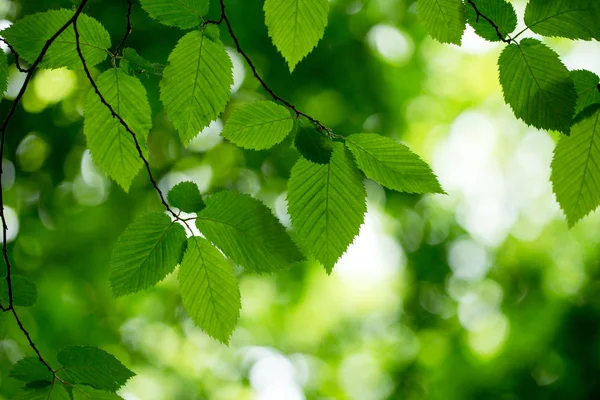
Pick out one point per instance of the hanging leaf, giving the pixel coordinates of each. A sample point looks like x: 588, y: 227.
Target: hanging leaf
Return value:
x: 587, y: 86
x: 573, y: 19
x: 24, y: 291
x: 445, y: 20
x: 3, y: 72
x: 500, y: 12
x: 184, y: 14
x: 313, y: 145
x: 186, y: 196
x: 30, y: 369
x: 51, y: 392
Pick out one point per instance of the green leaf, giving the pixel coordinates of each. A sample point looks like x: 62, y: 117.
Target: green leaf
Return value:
x: 196, y: 83
x: 573, y: 19
x: 186, y: 196
x: 30, y: 369
x: 29, y: 35
x: 138, y: 63
x: 392, y: 164
x: 313, y: 145
x: 445, y: 20
x: 537, y: 85
x: 145, y: 253
x: 209, y: 289
x: 588, y: 89
x: 296, y: 26
x: 24, y: 291
x: 576, y: 168
x: 93, y: 366
x: 500, y: 12
x: 81, y: 392
x: 111, y: 146
x: 183, y: 14
x: 245, y: 230
x: 327, y: 205
x: 258, y: 126
x: 56, y: 391
x: 3, y: 72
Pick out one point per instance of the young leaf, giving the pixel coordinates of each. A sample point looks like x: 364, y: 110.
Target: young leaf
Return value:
x: 576, y: 167
x: 111, y: 146
x: 138, y: 63
x: 196, y: 83
x: 24, y: 291
x: 296, y: 26
x: 258, y: 126
x: 3, y: 72
x: 92, y: 366
x: 29, y: 35
x: 56, y: 391
x: 327, y: 204
x: 588, y: 92
x: 537, y: 85
x: 500, y: 12
x: 209, y: 289
x: 392, y: 164
x: 445, y: 20
x: 146, y: 252
x: 30, y: 369
x: 247, y: 231
x: 81, y: 392
x: 184, y: 14
x: 186, y: 196
x: 573, y: 19
x: 313, y: 145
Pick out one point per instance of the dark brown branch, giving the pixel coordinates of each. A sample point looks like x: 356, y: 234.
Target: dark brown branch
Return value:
x: 506, y: 39
x: 128, y: 29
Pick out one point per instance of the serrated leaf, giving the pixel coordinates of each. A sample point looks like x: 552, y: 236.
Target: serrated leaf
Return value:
x: 537, y: 85
x: 56, y: 391
x: 81, y: 392
x: 111, y: 146
x: 30, y: 369
x: 209, y: 289
x: 196, y: 83
x: 29, y: 35
x: 258, y: 126
x: 3, y: 72
x: 296, y: 26
x: 445, y: 20
x: 573, y: 19
x: 186, y: 196
x: 313, y: 145
x: 327, y: 205
x: 392, y: 164
x: 576, y: 168
x: 500, y: 12
x: 24, y: 291
x: 587, y: 85
x: 145, y: 253
x: 247, y: 231
x: 92, y: 366
x: 183, y: 14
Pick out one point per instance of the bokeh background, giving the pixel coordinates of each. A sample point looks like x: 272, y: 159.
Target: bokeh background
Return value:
x: 480, y: 294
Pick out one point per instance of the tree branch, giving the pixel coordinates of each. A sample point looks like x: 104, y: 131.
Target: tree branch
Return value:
x: 507, y: 40
x: 128, y: 29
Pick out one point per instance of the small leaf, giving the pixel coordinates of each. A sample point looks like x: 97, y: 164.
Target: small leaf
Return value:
x: 29, y: 35
x: 313, y: 145
x: 327, y: 205
x: 537, y: 85
x: 576, y: 167
x: 183, y: 14
x: 247, y: 231
x: 146, y: 252
x: 573, y: 19
x: 587, y: 86
x: 93, y: 366
x: 81, y: 392
x: 445, y: 20
x: 196, y: 83
x: 209, y: 289
x: 392, y: 164
x: 24, y: 291
x: 56, y: 391
x: 30, y: 369
x: 500, y: 12
x: 111, y: 146
x: 138, y: 63
x: 186, y: 196
x: 3, y: 72
x: 258, y: 126
x: 296, y: 26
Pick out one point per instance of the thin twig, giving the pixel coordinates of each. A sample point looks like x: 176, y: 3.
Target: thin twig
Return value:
x: 128, y: 29
x: 506, y: 39
x: 17, y: 58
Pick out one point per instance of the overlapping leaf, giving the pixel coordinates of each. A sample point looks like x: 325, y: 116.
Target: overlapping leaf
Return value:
x: 209, y: 289
x: 29, y: 35
x: 186, y: 196
x: 184, y: 14
x: 81, y: 392
x: 501, y: 13
x: 111, y: 146
x: 587, y: 86
x: 576, y: 167
x: 392, y: 164
x: 247, y: 231
x: 573, y: 19
x: 56, y: 391
x: 3, y: 72
x: 23, y: 290
x: 537, y: 85
x: 445, y: 20
x: 30, y: 369
x: 296, y: 26
x: 258, y: 126
x: 196, y: 83
x: 327, y: 204
x: 145, y: 253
